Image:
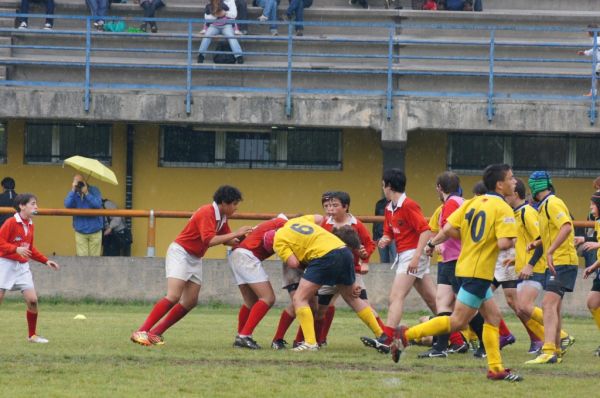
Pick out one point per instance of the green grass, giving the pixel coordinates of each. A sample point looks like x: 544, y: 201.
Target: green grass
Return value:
x: 94, y: 358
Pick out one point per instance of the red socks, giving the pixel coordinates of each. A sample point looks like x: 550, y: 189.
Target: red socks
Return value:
x: 258, y: 311
x: 161, y: 307
x: 176, y: 313
x: 299, y: 335
x: 285, y: 320
x: 242, y: 317
x: 31, y: 322
x: 380, y: 322
x: 503, y: 328
x: 456, y: 338
x: 325, y: 324
x: 389, y: 332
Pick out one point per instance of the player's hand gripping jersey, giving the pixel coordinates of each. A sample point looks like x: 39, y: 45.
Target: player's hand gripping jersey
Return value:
x: 482, y: 221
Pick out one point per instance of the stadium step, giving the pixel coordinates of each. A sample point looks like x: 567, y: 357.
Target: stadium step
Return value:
x: 5, y: 53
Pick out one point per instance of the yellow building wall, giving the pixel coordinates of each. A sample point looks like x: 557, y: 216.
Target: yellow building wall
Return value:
x: 426, y: 157
x: 293, y: 191
x: 51, y: 183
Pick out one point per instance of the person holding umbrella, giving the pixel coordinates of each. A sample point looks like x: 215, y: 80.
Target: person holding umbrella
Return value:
x: 88, y: 229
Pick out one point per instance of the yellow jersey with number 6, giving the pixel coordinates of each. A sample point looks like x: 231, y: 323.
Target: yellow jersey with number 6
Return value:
x: 305, y: 239
x: 482, y: 221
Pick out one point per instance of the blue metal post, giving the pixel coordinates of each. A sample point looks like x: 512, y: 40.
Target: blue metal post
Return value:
x: 389, y: 71
x: 188, y: 95
x: 594, y: 79
x: 490, y: 106
x: 288, y: 99
x: 88, y: 45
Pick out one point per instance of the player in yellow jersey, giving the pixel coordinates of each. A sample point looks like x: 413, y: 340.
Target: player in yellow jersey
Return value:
x: 303, y: 243
x: 558, y: 241
x: 529, y: 266
x: 593, y: 299
x: 485, y: 225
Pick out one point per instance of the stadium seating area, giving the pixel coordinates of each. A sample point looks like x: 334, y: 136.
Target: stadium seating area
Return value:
x: 418, y: 46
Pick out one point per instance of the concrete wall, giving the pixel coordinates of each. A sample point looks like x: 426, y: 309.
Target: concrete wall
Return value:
x: 137, y: 278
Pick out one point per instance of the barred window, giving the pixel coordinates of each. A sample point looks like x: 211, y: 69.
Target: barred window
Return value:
x: 3, y: 139
x: 270, y: 148
x: 563, y: 155
x: 54, y: 142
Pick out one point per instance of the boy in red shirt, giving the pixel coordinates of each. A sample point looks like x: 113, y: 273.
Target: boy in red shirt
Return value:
x: 208, y: 227
x: 16, y: 248
x: 405, y: 224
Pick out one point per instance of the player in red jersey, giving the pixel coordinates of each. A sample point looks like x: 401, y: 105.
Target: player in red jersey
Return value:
x: 208, y: 227
x: 16, y: 248
x: 405, y: 224
x: 337, y: 206
x: 252, y: 280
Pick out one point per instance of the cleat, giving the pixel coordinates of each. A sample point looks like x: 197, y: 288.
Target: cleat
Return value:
x: 246, y: 342
x: 507, y: 340
x: 37, y: 339
x: 279, y: 344
x: 380, y: 343
x: 155, y: 339
x: 566, y: 343
x: 473, y: 345
x: 480, y: 353
x: 458, y: 348
x: 306, y: 347
x: 505, y: 375
x: 433, y: 353
x: 597, y: 352
x: 140, y: 338
x: 399, y: 343
x: 544, y: 358
x: 323, y: 344
x: 297, y: 343
x: 535, y: 347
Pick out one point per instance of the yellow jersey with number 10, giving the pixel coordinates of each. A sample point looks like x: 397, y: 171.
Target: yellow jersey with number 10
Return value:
x: 305, y: 239
x: 482, y: 221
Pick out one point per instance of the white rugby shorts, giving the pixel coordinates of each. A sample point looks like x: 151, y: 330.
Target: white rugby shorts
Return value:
x: 15, y: 275
x: 403, y: 259
x: 180, y: 264
x: 502, y: 273
x: 246, y: 268
x: 290, y: 275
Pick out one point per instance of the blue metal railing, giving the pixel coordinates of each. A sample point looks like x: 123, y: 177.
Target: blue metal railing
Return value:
x: 388, y: 64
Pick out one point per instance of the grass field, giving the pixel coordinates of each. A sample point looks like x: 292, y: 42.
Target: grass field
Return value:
x: 94, y: 358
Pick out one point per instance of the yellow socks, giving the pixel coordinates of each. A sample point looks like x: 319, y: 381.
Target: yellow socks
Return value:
x: 596, y: 314
x: 433, y: 327
x: 307, y: 323
x: 366, y: 315
x: 548, y: 348
x: 536, y: 328
x: 538, y: 315
x: 491, y: 341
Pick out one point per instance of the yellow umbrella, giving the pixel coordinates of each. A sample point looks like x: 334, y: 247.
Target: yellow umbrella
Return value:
x: 92, y: 168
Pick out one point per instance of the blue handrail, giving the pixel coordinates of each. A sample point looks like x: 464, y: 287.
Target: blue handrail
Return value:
x: 391, y: 64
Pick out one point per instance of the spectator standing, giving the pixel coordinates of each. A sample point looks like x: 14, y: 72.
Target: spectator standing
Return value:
x: 24, y: 9
x: 150, y: 7
x: 220, y: 14
x: 590, y: 53
x: 88, y: 229
x: 99, y: 10
x: 388, y: 253
x: 7, y: 198
x: 116, y: 236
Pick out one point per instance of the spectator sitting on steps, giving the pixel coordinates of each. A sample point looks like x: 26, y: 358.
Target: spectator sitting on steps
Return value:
x: 99, y: 10
x: 150, y: 7
x: 221, y: 15
x: 24, y: 9
x: 269, y: 12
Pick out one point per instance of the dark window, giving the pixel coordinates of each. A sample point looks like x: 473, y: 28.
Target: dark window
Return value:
x: 252, y: 148
x: 472, y: 151
x: 3, y: 138
x: 588, y: 153
x: 54, y: 142
x: 307, y: 147
x: 183, y: 146
x: 540, y: 152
